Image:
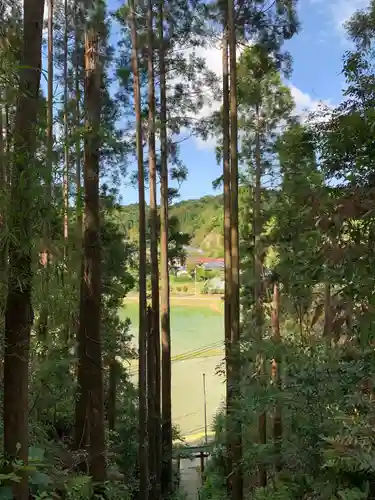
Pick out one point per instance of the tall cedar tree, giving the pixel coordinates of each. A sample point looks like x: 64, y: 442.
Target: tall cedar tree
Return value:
x: 66, y: 138
x: 236, y: 444
x: 18, y: 312
x: 77, y: 117
x: 154, y: 327
x: 142, y: 335
x: 227, y: 246
x: 3, y: 191
x: 45, y: 257
x: 164, y: 302
x: 90, y: 356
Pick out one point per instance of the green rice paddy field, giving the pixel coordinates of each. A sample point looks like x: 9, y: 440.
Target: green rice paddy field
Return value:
x: 197, y: 334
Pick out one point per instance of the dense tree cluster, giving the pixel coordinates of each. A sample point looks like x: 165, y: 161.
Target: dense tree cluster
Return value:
x: 294, y: 224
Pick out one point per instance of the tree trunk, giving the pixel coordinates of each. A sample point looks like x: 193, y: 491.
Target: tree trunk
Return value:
x: 142, y: 333
x: 227, y: 250
x: 4, y: 197
x: 7, y: 139
x: 45, y: 260
x: 262, y: 424
x: 66, y: 145
x: 91, y: 373
x: 237, y: 480
x: 151, y: 402
x: 154, y: 437
x: 276, y: 375
x: 167, y: 482
x: 19, y: 313
x: 81, y: 405
x: 3, y: 243
x: 77, y: 120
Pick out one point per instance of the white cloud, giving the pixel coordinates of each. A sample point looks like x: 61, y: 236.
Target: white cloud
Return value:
x: 304, y: 102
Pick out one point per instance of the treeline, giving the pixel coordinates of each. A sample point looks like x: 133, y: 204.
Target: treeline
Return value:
x: 200, y: 219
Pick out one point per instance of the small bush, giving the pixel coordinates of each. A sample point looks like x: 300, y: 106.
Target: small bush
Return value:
x: 185, y: 288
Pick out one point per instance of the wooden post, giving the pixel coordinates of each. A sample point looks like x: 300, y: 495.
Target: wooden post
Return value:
x: 202, y: 465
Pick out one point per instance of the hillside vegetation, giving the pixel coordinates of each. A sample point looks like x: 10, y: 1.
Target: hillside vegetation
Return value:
x: 202, y: 219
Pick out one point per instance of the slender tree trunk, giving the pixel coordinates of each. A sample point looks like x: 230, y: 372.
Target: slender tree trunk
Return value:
x: 7, y: 138
x: 227, y: 250
x: 142, y: 334
x: 44, y: 312
x: 151, y: 402
x: 77, y: 120
x: 90, y: 374
x: 81, y: 427
x: 276, y: 375
x: 3, y: 177
x: 258, y: 283
x: 154, y: 437
x: 19, y: 313
x: 3, y: 241
x: 81, y: 405
x: 3, y: 245
x: 68, y: 324
x: 4, y: 196
x: 167, y: 482
x: 237, y: 480
x: 66, y: 144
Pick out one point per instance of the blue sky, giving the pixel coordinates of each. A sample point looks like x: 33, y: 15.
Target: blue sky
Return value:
x: 317, y: 53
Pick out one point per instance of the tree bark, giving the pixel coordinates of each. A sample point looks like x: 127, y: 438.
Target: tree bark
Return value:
x: 3, y: 244
x: 19, y: 313
x: 154, y: 339
x: 90, y: 374
x: 227, y: 249
x: 81, y: 405
x: 167, y: 482
x: 237, y: 480
x: 142, y: 333
x: 4, y: 197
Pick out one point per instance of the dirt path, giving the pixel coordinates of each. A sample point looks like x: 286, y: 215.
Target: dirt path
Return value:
x: 190, y: 480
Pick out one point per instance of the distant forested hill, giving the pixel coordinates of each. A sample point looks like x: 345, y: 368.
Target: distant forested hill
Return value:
x: 202, y: 219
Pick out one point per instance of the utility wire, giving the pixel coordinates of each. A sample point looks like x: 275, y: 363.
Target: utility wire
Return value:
x: 188, y: 355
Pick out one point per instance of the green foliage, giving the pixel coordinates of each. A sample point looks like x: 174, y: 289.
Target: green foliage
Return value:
x: 318, y: 230
x: 201, y: 220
